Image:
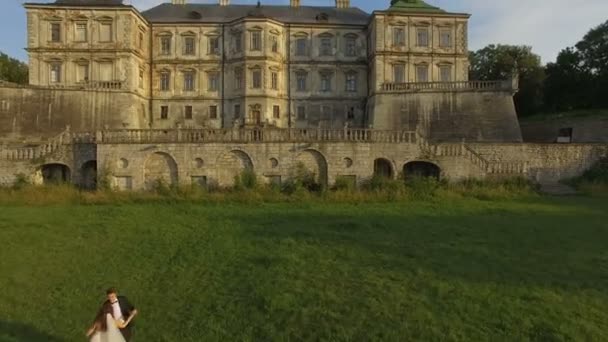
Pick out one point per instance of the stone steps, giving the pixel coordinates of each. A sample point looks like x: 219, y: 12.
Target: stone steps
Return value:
x: 558, y: 189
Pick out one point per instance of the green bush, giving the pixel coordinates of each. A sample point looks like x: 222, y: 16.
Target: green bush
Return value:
x: 246, y: 180
x: 301, y: 178
x: 21, y: 181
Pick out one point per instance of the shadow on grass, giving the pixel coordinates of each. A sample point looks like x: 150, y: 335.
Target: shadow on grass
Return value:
x: 19, y: 332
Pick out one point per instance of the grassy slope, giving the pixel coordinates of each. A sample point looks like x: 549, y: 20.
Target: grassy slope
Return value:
x: 466, y: 270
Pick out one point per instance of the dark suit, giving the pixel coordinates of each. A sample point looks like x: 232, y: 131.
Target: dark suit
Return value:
x: 126, y: 308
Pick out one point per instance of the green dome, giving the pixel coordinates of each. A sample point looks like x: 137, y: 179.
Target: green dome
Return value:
x: 413, y: 6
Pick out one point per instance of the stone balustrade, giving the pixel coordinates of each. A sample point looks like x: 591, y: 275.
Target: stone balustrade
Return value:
x: 507, y: 85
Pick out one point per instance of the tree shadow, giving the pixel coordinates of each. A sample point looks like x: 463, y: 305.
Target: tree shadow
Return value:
x: 14, y: 331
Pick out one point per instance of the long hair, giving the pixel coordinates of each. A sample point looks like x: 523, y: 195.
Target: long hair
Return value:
x: 101, y: 319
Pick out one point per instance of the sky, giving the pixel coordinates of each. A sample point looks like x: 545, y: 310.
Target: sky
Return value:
x: 547, y: 25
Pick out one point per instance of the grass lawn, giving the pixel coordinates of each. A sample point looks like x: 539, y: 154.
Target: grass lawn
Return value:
x: 467, y: 270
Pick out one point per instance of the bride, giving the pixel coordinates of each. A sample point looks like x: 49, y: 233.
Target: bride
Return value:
x: 106, y: 328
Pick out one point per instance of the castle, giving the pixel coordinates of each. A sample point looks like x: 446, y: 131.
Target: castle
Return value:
x: 197, y: 93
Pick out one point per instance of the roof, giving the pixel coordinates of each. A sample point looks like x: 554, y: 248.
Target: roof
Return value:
x: 168, y: 13
x: 96, y: 3
x: 418, y: 6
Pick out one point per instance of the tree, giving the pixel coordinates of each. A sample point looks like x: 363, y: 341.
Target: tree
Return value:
x: 12, y: 70
x: 499, y: 62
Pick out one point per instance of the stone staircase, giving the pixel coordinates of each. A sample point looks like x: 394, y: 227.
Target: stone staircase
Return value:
x: 45, y: 149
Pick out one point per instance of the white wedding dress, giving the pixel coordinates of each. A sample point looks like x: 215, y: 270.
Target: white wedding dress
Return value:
x: 111, y: 335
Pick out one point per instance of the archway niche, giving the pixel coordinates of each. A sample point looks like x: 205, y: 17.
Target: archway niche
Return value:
x: 316, y: 164
x: 232, y: 164
x: 88, y: 175
x: 421, y: 169
x: 55, y: 173
x: 160, y: 168
x: 383, y: 168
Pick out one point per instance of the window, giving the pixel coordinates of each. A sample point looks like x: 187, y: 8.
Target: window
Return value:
x: 301, y: 47
x: 422, y: 73
x: 56, y: 73
x: 55, y: 32
x: 81, y: 32
x: 351, y: 47
x: 445, y: 72
x: 188, y: 112
x: 106, y: 71
x: 256, y: 41
x: 213, y: 78
x: 445, y: 38
x: 350, y: 114
x: 82, y: 72
x: 238, y: 42
x: 214, y: 46
x: 165, y: 45
x: 274, y: 43
x: 237, y: 111
x: 274, y: 81
x: 301, y: 81
x: 301, y: 113
x: 398, y: 36
x: 399, y: 73
x: 189, y: 81
x: 256, y: 77
x: 189, y: 46
x: 105, y: 32
x: 212, y: 112
x: 238, y: 78
x: 422, y: 37
x: 325, y: 82
x: 164, y: 112
x: 351, y: 82
x: 326, y: 112
x: 276, y: 112
x: 325, y: 47
x: 165, y: 81
x: 140, y: 42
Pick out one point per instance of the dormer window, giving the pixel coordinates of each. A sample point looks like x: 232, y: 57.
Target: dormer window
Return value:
x: 322, y: 17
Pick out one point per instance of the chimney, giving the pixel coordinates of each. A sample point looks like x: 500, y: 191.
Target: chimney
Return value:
x: 342, y: 3
x: 295, y: 3
x: 224, y: 2
x: 178, y: 2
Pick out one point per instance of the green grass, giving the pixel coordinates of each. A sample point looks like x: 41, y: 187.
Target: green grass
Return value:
x: 530, y: 269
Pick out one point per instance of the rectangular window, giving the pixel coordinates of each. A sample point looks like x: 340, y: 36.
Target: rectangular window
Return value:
x: 165, y: 81
x: 326, y: 112
x: 256, y: 41
x: 212, y: 112
x: 301, y: 80
x: 422, y: 73
x: 256, y: 77
x: 81, y: 32
x: 237, y: 111
x: 399, y: 73
x: 188, y: 81
x: 445, y: 73
x: 164, y: 112
x: 213, y: 78
x: 325, y: 82
x: 326, y: 47
x: 238, y: 42
x: 398, y: 36
x: 274, y: 43
x: 105, y: 32
x: 189, y: 46
x: 165, y: 45
x: 214, y: 45
x: 83, y: 73
x: 188, y: 112
x: 351, y: 47
x: 55, y: 32
x: 351, y: 82
x: 274, y: 81
x: 445, y: 39
x: 56, y: 73
x: 301, y: 113
x: 106, y: 71
x: 301, y: 47
x: 238, y: 79
x: 350, y: 114
x: 422, y: 37
x: 276, y: 112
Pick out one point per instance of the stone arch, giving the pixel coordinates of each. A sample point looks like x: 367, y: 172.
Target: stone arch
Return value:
x: 314, y: 162
x: 232, y: 164
x: 421, y: 169
x: 88, y: 175
x: 383, y: 168
x: 55, y: 173
x: 160, y: 167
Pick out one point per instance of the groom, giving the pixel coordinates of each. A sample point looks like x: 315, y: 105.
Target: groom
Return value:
x: 123, y: 311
